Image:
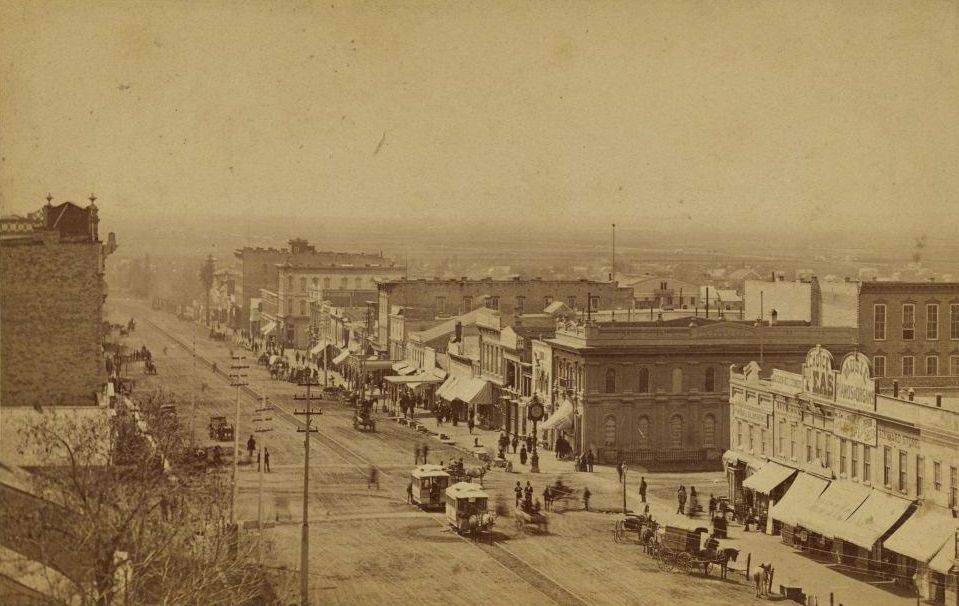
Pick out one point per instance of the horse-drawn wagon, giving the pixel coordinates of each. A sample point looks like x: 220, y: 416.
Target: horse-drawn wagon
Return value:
x: 685, y: 544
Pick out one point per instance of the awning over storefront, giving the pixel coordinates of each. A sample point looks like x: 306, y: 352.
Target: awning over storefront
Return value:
x: 377, y: 364
x: 399, y: 366
x: 561, y: 418
x: 732, y: 457
x: 474, y: 391
x: 924, y: 533
x: 408, y: 370
x: 341, y: 357
x: 769, y: 477
x: 800, y: 496
x: 878, y: 513
x: 439, y: 373
x: 446, y: 390
x: 833, y: 507
x: 413, y: 380
x: 942, y: 561
x: 268, y: 328
x: 319, y: 347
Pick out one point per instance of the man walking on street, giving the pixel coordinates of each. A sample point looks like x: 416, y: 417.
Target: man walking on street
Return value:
x: 409, y: 492
x: 681, y: 499
x: 619, y: 469
x: 519, y: 493
x: 266, y: 459
x: 642, y: 489
x: 416, y: 455
x: 426, y: 450
x: 589, y: 460
x: 250, y: 447
x: 515, y: 443
x: 547, y: 497
x: 471, y: 424
x: 586, y: 495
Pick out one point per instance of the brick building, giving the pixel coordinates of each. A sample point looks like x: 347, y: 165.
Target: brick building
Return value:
x: 910, y: 332
x: 52, y: 299
x: 258, y: 268
x: 445, y: 298
x: 655, y: 392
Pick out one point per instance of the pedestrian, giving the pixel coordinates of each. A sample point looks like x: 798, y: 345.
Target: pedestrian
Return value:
x: 416, y: 455
x: 589, y: 459
x: 251, y: 446
x: 522, y: 455
x: 409, y: 492
x: 266, y: 459
x: 586, y: 495
x: 528, y: 491
x: 373, y: 479
x: 681, y: 498
x: 426, y: 450
x: 547, y: 496
x: 514, y: 443
x: 712, y: 506
x: 619, y: 469
x: 258, y: 460
x: 642, y: 489
x: 471, y: 424
x: 519, y: 492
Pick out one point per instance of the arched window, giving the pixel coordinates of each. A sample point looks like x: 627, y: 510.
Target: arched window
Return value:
x: 315, y: 282
x: 609, y: 431
x: 709, y: 431
x: 344, y: 282
x: 358, y: 282
x: 644, y: 380
x: 326, y: 283
x: 710, y: 384
x: 302, y: 284
x: 676, y: 432
x: 289, y: 282
x: 642, y: 428
x: 677, y: 380
x: 610, y: 381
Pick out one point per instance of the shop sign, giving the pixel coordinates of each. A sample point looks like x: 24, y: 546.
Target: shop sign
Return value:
x: 818, y: 376
x: 752, y: 415
x: 791, y: 411
x: 896, y: 438
x: 855, y: 427
x: 854, y: 387
x: 787, y: 380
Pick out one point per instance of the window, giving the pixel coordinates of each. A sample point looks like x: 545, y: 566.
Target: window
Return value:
x: 819, y: 445
x: 902, y: 471
x: 886, y: 465
x: 594, y: 303
x: 609, y: 431
x: 809, y: 445
x: 710, y: 383
x: 302, y: 308
x: 739, y: 433
x: 642, y: 428
x: 781, y: 437
x: 762, y: 440
x: 920, y: 462
x: 644, y: 380
x: 441, y: 305
x: 752, y: 445
x: 571, y: 302
x: 677, y: 380
x: 344, y: 283
x: 953, y: 480
x: 866, y: 463
x: 879, y: 322
x: 879, y: 366
x: 932, y: 366
x: 932, y: 321
x: 954, y: 321
x: 358, y: 283
x: 547, y: 300
x: 842, y: 456
x: 792, y: 442
x: 829, y: 457
x: 315, y: 282
x: 467, y: 304
x: 908, y: 321
x: 937, y: 475
x: 326, y: 283
x: 853, y: 460
x: 908, y: 366
x: 520, y: 304
x: 676, y: 432
x: 610, y: 381
x: 954, y: 365
x: 492, y: 302
x: 709, y: 431
x: 289, y: 282
x: 302, y: 284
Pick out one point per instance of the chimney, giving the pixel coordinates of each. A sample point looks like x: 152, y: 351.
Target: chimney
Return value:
x: 815, y: 302
x: 938, y: 400
x: 912, y: 394
x: 895, y: 389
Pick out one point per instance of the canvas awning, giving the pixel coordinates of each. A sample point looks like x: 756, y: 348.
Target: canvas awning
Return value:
x: 878, y: 513
x: 924, y: 533
x: 439, y: 373
x: 319, y: 347
x: 446, y: 389
x: 769, y: 477
x: 401, y: 365
x: 412, y: 380
x: 343, y: 355
x: 268, y: 328
x: 833, y: 507
x: 377, y: 364
x: 408, y: 370
x: 800, y: 496
x: 561, y: 418
x: 942, y: 562
x: 474, y: 391
x: 732, y: 457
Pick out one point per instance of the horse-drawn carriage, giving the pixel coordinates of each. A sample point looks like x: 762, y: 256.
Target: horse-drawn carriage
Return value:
x: 565, y: 495
x: 363, y: 416
x: 529, y: 516
x: 685, y: 545
x: 460, y: 473
x: 633, y: 523
x: 429, y: 482
x: 149, y: 367
x: 467, y: 510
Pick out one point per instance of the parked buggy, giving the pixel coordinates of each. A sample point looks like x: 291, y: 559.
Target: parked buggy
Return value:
x: 629, y: 524
x: 684, y: 546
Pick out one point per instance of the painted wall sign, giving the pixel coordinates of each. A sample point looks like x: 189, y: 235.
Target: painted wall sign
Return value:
x: 854, y: 387
x: 855, y: 427
x: 896, y: 438
x: 752, y: 415
x: 788, y: 380
x: 818, y: 376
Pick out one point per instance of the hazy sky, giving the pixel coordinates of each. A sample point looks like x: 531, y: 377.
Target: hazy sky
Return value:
x: 793, y: 115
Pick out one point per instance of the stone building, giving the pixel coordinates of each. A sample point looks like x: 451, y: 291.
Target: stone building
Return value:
x: 655, y: 393
x: 864, y: 480
x: 910, y: 332
x: 51, y: 335
x: 438, y: 298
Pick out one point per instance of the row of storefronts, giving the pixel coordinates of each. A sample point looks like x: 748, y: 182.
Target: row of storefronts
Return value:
x: 862, y: 480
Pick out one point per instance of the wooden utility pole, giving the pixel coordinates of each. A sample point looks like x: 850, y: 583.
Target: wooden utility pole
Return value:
x: 262, y: 422
x: 305, y: 533
x: 236, y: 380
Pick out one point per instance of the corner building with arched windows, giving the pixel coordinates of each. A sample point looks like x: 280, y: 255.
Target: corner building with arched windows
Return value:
x: 655, y: 393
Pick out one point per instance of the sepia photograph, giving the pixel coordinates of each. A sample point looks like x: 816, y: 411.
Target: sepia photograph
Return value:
x: 507, y: 302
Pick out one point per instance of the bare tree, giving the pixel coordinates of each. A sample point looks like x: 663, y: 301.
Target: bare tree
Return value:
x: 129, y: 530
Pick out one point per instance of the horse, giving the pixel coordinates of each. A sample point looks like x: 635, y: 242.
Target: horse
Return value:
x: 476, y: 473
x: 479, y: 522
x: 761, y: 577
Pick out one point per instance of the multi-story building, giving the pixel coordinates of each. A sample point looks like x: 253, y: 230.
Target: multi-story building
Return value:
x: 807, y: 300
x: 223, y: 304
x: 868, y: 480
x: 655, y: 392
x: 910, y: 332
x: 664, y: 293
x: 300, y: 283
x: 259, y: 268
x: 446, y: 298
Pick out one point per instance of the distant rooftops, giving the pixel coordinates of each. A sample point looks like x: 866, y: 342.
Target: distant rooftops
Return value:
x: 881, y: 286
x: 66, y: 221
